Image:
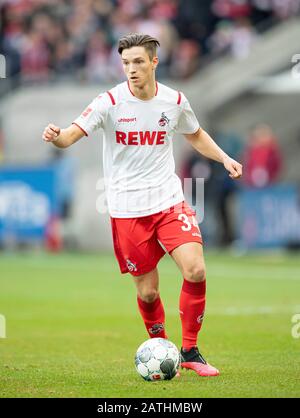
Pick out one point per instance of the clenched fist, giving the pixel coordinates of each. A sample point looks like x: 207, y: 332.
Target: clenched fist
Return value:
x: 235, y: 169
x: 51, y: 133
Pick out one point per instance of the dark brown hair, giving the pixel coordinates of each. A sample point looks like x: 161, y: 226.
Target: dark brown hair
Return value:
x: 138, y: 39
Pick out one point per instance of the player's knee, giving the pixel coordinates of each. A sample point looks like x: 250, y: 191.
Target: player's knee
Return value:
x: 148, y: 295
x: 195, y: 272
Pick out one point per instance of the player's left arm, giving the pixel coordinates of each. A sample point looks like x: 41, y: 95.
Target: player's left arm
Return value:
x: 205, y: 145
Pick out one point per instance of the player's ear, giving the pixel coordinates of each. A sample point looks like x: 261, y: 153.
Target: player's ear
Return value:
x: 155, y: 62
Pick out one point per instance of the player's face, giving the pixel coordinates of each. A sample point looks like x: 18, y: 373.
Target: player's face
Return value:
x: 138, y: 66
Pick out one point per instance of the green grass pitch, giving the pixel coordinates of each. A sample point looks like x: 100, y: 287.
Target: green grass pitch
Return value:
x: 73, y: 327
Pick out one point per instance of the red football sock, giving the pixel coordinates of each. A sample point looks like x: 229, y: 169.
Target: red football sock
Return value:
x: 153, y: 315
x: 191, y: 308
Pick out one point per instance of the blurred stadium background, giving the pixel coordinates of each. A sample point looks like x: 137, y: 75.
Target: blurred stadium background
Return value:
x: 237, y: 62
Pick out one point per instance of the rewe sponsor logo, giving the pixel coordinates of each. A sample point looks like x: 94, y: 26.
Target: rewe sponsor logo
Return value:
x: 141, y: 137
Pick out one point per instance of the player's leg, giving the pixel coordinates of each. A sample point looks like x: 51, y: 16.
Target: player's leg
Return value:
x: 138, y: 252
x: 150, y: 304
x: 181, y: 236
x: 189, y: 258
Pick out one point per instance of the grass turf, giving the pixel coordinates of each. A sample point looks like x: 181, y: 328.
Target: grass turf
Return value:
x: 73, y: 327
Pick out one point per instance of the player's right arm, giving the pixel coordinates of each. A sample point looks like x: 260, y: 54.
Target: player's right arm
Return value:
x: 91, y: 119
x: 62, y: 138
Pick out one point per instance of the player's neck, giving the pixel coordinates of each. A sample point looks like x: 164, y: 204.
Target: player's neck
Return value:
x: 145, y: 92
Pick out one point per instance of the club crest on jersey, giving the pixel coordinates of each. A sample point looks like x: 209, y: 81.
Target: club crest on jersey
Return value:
x: 131, y: 266
x: 164, y: 120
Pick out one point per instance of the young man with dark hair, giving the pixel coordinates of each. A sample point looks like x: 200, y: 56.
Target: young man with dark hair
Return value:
x: 145, y: 198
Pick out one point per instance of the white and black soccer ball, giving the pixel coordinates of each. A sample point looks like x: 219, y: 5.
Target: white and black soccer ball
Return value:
x: 157, y: 359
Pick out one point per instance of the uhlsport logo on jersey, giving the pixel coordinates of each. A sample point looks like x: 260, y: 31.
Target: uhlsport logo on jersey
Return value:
x: 126, y: 120
x: 164, y: 120
x: 131, y: 266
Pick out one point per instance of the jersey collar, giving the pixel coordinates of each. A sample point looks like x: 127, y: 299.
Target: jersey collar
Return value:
x: 156, y: 91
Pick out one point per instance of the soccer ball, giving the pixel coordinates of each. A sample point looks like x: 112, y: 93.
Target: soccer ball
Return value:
x: 157, y: 359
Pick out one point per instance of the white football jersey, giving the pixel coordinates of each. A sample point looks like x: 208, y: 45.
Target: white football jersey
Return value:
x: 138, y: 162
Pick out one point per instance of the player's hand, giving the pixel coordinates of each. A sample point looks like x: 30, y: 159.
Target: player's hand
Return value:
x: 235, y: 169
x: 51, y: 133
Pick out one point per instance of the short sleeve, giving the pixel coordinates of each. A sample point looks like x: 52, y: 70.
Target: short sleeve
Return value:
x: 187, y: 122
x: 94, y: 116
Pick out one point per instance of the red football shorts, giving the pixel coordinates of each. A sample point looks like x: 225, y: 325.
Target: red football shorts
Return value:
x: 137, y: 240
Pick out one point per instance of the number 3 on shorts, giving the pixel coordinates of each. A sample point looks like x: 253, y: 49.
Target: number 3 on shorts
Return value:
x: 187, y: 225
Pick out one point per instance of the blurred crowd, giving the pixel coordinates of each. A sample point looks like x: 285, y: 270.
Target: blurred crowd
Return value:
x: 263, y: 163
x: 57, y: 39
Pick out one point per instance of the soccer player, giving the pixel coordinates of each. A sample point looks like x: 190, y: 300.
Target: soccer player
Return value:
x: 145, y: 199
